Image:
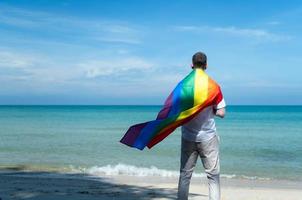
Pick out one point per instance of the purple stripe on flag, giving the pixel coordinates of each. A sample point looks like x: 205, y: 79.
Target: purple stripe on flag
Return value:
x: 166, y: 109
x: 132, y: 133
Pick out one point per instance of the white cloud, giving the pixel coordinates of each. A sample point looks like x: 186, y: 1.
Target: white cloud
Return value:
x: 96, y: 68
x: 16, y: 21
x: 119, y: 40
x: 235, y: 31
x: 32, y: 67
x: 128, y: 75
x: 93, y: 29
x: 10, y: 59
x: 115, y: 28
x: 274, y: 23
x: 51, y: 69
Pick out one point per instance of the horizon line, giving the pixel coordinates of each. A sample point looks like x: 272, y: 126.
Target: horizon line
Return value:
x: 139, y: 105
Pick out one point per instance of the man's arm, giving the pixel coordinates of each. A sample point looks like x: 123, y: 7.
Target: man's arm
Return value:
x: 219, y: 109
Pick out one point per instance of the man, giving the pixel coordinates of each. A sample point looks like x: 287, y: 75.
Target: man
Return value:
x: 199, y: 138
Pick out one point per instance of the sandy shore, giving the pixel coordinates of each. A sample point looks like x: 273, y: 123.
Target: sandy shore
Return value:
x: 58, y: 186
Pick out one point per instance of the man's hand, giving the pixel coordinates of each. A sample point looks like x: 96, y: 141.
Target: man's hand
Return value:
x: 220, y: 112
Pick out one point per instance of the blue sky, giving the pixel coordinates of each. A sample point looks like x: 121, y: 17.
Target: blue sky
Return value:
x: 134, y: 52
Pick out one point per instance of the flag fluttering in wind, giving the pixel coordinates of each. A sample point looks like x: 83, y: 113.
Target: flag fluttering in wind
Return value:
x: 191, y: 95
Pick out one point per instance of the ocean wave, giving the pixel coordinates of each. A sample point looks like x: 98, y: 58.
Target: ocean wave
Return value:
x: 132, y: 170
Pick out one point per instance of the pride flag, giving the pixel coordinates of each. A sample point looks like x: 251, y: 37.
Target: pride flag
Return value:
x: 191, y: 95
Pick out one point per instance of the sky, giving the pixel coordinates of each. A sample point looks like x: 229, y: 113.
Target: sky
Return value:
x: 136, y: 51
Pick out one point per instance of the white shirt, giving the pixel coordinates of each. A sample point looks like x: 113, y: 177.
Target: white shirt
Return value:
x: 202, y: 127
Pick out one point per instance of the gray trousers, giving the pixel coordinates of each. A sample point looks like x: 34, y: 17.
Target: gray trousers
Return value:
x: 209, y: 153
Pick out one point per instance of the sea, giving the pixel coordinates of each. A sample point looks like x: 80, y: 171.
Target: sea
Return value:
x: 256, y: 142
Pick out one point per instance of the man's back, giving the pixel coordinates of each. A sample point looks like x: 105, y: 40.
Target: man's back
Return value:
x: 202, y: 127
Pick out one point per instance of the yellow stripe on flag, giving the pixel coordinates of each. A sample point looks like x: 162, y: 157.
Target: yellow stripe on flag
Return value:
x: 200, y: 87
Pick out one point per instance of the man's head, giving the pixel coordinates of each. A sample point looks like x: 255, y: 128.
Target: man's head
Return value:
x: 199, y: 60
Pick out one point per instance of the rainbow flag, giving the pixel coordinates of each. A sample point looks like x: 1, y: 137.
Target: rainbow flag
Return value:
x: 191, y: 95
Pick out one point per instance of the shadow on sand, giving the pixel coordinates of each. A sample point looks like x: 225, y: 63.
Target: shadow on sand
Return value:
x: 15, y: 184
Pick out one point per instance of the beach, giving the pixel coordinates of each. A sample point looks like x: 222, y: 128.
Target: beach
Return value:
x: 57, y: 186
x: 73, y: 152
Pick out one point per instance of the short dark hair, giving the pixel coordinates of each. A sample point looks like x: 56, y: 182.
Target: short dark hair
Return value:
x: 199, y: 59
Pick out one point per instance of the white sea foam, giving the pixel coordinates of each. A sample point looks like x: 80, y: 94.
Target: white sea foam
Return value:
x: 131, y: 170
x: 122, y: 169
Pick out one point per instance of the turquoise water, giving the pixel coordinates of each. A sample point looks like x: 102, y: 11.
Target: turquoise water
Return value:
x: 256, y: 141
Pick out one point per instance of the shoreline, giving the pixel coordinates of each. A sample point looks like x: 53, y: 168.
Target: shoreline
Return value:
x: 51, y: 185
x: 129, y: 170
